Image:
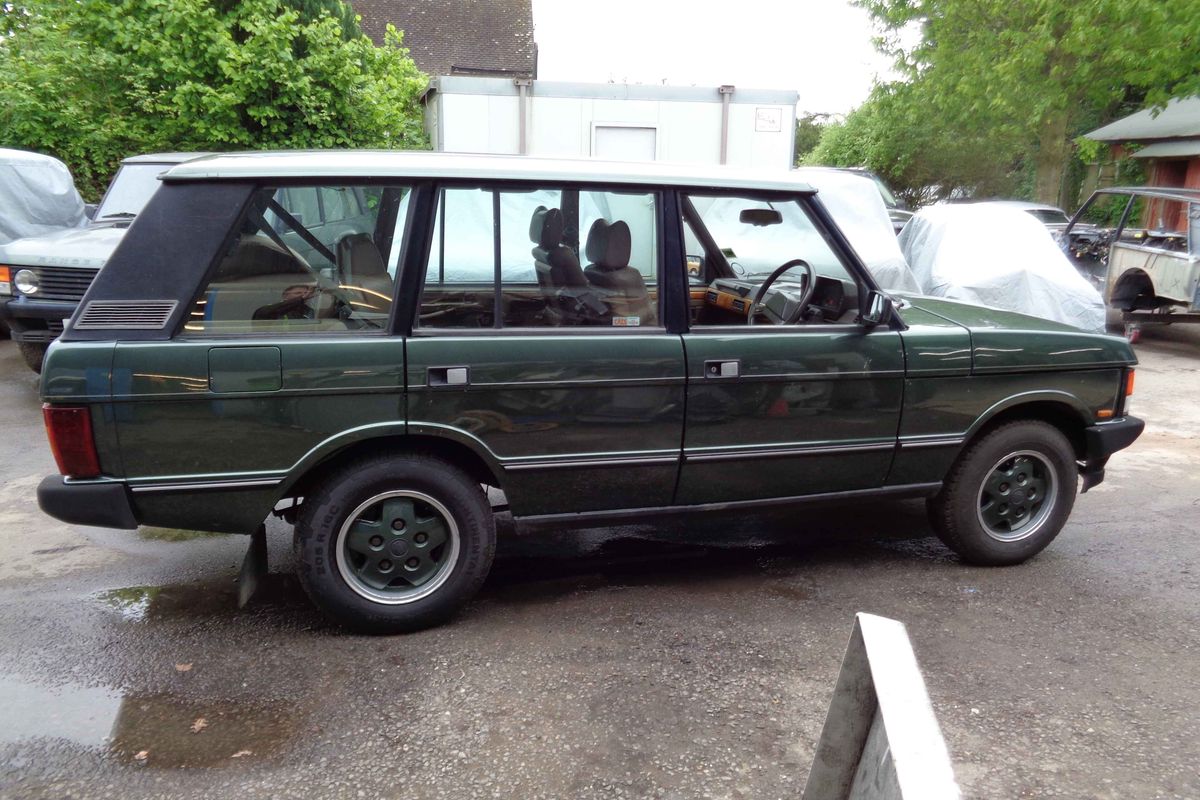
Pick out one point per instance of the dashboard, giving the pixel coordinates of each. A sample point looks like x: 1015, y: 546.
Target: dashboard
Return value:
x: 729, y: 298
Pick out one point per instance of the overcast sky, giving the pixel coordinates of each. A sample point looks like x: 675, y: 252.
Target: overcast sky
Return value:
x: 820, y: 48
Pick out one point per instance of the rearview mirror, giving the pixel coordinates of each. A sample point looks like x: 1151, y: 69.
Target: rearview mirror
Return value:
x: 760, y: 217
x: 879, y: 310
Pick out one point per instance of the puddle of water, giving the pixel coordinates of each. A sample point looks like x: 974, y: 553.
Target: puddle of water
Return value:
x: 80, y: 714
x: 153, y: 730
x: 175, y: 534
x: 132, y: 602
x: 163, y: 730
x: 216, y: 597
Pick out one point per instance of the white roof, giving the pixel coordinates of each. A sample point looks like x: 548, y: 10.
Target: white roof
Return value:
x: 410, y: 164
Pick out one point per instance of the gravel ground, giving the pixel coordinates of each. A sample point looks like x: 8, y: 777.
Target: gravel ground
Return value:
x: 670, y: 662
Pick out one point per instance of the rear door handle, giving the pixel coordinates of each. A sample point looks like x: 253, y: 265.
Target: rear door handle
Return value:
x: 722, y: 369
x: 448, y: 376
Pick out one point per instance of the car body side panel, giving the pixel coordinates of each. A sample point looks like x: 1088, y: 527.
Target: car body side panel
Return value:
x: 577, y: 422
x: 942, y: 413
x: 173, y: 427
x: 811, y: 410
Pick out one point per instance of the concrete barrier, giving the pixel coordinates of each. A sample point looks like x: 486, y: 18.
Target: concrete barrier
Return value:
x: 881, y: 740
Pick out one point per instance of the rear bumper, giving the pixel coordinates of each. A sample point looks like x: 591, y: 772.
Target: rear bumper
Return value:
x: 103, y: 505
x: 1101, y: 441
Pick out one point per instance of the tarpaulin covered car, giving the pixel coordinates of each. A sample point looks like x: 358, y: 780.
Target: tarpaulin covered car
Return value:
x: 994, y: 255
x: 37, y: 195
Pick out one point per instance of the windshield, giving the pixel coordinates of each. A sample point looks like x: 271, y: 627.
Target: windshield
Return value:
x: 756, y: 250
x: 130, y: 190
x: 1049, y: 216
x: 889, y: 199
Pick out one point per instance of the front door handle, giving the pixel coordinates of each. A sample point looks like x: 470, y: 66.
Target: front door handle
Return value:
x: 448, y: 376
x: 722, y: 369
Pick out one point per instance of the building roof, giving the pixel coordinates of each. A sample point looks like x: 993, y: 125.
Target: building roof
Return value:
x: 458, y: 37
x: 354, y: 164
x: 1178, y: 148
x: 1180, y: 118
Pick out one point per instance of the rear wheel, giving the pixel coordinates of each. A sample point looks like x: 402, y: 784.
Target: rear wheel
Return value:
x: 34, y: 354
x: 1008, y: 495
x: 395, y: 543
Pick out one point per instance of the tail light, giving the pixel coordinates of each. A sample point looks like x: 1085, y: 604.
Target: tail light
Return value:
x: 71, y: 442
x: 1129, y: 383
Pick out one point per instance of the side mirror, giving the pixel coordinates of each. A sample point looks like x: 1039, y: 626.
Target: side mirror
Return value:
x: 89, y: 210
x: 880, y: 310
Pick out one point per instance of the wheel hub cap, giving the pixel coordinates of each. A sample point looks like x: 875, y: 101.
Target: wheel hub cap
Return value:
x: 1017, y: 496
x: 397, y: 547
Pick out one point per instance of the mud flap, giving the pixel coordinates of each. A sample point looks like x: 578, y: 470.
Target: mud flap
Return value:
x: 254, y: 566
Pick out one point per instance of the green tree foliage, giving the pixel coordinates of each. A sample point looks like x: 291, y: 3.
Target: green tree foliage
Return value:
x: 808, y: 134
x: 1030, y: 70
x: 894, y: 135
x: 93, y: 81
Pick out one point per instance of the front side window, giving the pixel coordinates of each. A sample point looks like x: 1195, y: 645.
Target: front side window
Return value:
x: 545, y: 257
x: 307, y: 259
x: 734, y: 246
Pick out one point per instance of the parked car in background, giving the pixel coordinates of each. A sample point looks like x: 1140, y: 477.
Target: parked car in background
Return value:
x: 997, y: 254
x: 214, y: 375
x: 897, y: 211
x: 1151, y: 256
x: 37, y: 196
x: 50, y: 272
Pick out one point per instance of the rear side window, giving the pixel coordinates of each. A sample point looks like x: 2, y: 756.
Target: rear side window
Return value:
x: 307, y: 259
x: 545, y: 257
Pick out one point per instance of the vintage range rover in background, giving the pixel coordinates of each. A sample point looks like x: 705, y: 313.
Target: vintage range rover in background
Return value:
x: 1148, y: 253
x: 531, y: 326
x: 50, y: 273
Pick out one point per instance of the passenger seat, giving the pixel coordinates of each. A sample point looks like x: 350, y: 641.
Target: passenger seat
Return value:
x: 622, y: 287
x: 569, y: 297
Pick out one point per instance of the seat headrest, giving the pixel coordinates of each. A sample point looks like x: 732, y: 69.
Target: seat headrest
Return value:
x: 608, y: 246
x: 364, y: 258
x: 546, y: 227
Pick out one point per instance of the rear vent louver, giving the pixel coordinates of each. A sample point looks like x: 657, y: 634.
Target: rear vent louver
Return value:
x: 142, y: 315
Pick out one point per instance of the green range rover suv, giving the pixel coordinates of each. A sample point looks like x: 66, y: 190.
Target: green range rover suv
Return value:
x: 575, y: 342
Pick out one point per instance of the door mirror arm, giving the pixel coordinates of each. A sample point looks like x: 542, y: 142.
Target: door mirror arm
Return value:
x: 881, y: 309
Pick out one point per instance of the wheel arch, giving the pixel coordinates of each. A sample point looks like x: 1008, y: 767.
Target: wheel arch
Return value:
x: 1059, y: 409
x: 1133, y: 283
x: 455, y: 447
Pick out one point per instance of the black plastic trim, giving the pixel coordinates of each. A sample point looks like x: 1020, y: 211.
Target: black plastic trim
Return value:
x: 1101, y: 441
x: 103, y: 505
x: 597, y: 518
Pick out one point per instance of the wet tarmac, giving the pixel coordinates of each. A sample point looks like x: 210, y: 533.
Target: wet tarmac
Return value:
x: 692, y: 659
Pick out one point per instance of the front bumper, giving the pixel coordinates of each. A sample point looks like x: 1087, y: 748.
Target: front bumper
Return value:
x: 36, y: 320
x: 103, y: 505
x: 1101, y: 441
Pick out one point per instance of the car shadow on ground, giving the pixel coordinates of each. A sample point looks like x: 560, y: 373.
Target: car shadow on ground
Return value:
x: 687, y: 553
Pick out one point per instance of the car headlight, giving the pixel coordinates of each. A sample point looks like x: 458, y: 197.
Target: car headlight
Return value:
x: 26, y: 281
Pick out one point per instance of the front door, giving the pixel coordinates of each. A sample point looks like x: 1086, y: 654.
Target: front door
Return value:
x: 803, y: 401
x: 538, y: 342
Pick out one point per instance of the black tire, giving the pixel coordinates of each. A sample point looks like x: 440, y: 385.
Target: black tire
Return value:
x: 34, y: 354
x: 327, y: 522
x: 966, y: 513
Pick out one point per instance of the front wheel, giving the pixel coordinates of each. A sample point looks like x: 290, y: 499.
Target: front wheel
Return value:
x: 1008, y: 495
x: 395, y: 543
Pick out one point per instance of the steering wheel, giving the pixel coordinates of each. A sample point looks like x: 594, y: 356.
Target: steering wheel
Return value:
x: 810, y: 286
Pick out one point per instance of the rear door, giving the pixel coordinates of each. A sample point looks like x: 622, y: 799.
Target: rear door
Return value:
x: 279, y: 356
x: 781, y: 410
x: 578, y: 400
